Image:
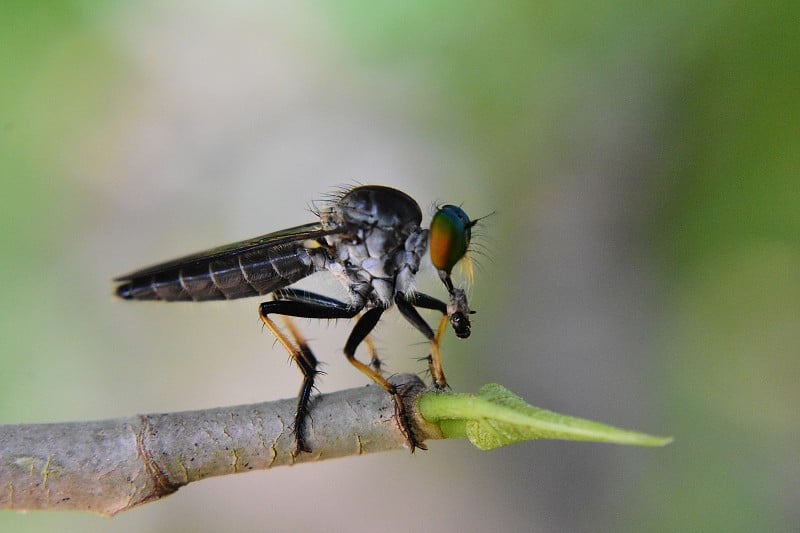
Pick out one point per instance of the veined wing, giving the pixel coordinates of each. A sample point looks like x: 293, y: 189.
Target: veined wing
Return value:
x: 245, y: 268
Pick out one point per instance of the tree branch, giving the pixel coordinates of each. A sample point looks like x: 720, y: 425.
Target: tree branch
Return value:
x: 110, y: 466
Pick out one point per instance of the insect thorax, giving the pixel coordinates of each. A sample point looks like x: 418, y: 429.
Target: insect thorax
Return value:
x: 373, y: 258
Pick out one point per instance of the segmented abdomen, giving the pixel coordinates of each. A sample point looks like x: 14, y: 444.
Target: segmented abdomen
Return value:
x: 249, y: 273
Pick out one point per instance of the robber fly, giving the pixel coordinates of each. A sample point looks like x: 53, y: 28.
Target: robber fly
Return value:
x: 370, y: 239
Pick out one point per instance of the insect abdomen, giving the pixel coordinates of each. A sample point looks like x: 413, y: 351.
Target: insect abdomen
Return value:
x: 223, y: 278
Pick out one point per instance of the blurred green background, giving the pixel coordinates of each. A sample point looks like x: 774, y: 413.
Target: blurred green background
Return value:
x: 642, y: 269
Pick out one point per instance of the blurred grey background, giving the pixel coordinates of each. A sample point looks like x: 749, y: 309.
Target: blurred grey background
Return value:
x: 641, y: 268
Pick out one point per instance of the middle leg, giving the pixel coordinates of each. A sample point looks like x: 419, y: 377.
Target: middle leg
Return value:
x: 407, y: 307
x: 366, y: 323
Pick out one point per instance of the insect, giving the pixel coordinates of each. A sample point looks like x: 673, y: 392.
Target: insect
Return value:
x: 370, y: 239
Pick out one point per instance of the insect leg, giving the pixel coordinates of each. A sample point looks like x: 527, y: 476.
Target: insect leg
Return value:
x: 299, y: 295
x: 303, y: 305
x: 407, y: 308
x: 366, y: 323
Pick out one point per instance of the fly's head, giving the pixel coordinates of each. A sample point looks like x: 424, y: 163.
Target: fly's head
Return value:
x: 449, y: 236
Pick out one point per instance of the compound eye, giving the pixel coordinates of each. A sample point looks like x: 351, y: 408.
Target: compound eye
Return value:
x: 449, y: 237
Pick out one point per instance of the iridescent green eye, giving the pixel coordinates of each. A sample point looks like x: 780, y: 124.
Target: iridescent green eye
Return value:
x: 450, y: 232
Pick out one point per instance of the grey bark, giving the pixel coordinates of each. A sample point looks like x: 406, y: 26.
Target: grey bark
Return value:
x: 109, y: 466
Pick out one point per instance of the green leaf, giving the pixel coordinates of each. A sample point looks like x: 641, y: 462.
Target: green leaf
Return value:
x: 497, y: 417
